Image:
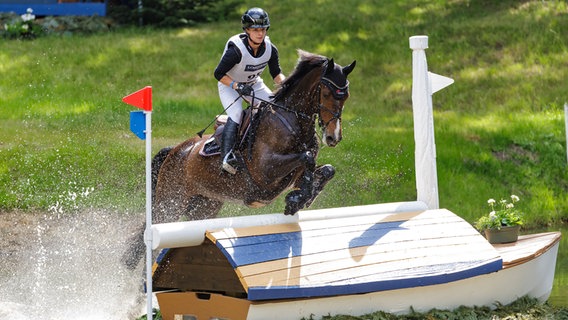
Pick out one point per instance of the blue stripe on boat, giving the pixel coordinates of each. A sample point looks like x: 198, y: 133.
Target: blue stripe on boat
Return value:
x: 281, y: 292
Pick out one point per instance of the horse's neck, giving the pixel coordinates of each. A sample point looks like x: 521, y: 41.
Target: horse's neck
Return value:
x: 304, y: 98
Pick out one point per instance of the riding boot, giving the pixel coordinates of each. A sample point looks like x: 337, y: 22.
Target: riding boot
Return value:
x: 227, y: 143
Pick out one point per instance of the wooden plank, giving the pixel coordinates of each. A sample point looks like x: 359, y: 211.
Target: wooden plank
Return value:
x: 250, y: 250
x: 228, y: 236
x: 406, y: 263
x: 304, y: 226
x: 196, y: 268
x: 344, y: 256
x: 526, y: 248
x: 376, y: 281
x: 358, y: 255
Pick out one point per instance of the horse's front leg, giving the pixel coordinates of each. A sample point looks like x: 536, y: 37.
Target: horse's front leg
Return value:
x: 322, y: 176
x: 297, y: 199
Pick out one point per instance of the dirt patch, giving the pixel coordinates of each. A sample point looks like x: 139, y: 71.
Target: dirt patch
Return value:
x: 516, y: 154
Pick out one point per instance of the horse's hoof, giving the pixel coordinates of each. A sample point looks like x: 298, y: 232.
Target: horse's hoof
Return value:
x: 295, y: 201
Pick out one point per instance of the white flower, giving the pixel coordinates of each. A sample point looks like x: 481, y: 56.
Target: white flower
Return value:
x: 491, y: 201
x: 509, y: 206
x: 514, y: 198
x: 492, y: 215
x: 28, y: 16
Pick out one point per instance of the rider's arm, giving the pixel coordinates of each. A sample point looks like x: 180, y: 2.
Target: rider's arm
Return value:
x: 231, y: 57
x: 274, y: 66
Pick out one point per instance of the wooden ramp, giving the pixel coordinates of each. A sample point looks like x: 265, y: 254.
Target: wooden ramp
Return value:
x: 331, y: 257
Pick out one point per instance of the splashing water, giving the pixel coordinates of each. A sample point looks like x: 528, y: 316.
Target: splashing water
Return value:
x: 67, y: 266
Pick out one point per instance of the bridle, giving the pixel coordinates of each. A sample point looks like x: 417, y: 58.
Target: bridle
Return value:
x: 338, y: 92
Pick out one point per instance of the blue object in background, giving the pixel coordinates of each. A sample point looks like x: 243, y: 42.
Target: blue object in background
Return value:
x: 138, y: 123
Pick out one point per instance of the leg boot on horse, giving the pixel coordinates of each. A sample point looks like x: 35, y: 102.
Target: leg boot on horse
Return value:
x: 227, y: 144
x: 297, y: 199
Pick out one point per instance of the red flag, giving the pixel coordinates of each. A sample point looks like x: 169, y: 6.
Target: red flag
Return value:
x: 140, y: 99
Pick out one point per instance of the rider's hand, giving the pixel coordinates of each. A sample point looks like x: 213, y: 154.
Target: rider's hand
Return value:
x: 244, y: 89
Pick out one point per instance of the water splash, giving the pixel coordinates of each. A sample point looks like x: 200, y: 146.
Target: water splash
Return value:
x: 69, y: 267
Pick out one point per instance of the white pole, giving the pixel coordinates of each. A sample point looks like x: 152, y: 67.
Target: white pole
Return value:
x: 425, y: 147
x: 192, y: 233
x: 566, y: 127
x: 148, y: 231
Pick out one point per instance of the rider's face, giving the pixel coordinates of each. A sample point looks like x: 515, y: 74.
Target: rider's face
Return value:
x: 256, y: 34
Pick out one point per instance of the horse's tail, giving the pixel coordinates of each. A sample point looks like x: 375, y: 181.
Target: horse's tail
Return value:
x: 157, y: 162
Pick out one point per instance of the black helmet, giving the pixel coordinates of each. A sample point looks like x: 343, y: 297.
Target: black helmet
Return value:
x: 255, y: 18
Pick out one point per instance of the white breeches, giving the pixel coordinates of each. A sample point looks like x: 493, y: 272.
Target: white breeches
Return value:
x: 233, y: 103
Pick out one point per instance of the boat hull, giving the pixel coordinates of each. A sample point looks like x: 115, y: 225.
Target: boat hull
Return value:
x: 533, y: 278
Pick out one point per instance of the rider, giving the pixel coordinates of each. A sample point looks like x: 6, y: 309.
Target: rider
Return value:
x: 245, y: 56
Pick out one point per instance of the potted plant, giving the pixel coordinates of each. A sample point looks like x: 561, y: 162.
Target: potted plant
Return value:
x: 503, y: 222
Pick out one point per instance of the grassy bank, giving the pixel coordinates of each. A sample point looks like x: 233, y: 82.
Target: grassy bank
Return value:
x: 65, y: 142
x: 522, y: 309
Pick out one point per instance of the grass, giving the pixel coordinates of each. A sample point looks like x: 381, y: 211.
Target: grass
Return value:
x: 523, y: 308
x: 65, y: 143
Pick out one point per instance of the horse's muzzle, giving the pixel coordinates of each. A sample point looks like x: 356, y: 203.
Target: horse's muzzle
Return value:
x: 331, y: 140
x: 331, y: 134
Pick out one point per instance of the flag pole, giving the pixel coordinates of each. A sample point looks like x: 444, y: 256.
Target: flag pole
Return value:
x: 143, y: 99
x: 148, y: 231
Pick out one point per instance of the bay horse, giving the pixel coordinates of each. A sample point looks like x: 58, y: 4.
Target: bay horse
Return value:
x: 281, y: 155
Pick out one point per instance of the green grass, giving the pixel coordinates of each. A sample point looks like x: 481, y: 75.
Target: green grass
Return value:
x: 65, y: 142
x: 523, y: 308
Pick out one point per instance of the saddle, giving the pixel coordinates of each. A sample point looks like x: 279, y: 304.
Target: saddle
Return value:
x: 212, y: 146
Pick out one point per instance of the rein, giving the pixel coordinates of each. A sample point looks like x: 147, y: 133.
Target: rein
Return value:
x: 337, y: 92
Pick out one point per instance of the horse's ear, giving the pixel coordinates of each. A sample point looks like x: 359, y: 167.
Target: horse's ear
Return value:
x: 347, y: 70
x: 330, y: 66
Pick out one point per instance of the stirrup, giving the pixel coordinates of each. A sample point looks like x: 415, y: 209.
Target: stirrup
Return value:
x: 228, y: 163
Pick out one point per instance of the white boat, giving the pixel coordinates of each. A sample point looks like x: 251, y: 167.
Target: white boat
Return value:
x: 353, y: 260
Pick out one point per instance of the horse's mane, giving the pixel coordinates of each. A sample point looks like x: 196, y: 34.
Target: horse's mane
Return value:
x: 306, y: 63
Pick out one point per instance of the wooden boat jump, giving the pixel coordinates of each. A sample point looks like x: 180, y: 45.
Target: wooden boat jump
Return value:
x: 352, y: 260
x: 349, y: 264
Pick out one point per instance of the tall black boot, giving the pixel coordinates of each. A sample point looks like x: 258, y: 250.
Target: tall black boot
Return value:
x: 227, y: 143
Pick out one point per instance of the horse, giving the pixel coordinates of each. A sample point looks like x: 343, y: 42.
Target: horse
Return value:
x: 280, y: 155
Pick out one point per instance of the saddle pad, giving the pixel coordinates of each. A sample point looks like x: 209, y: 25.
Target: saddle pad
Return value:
x: 210, y: 148
x: 355, y: 255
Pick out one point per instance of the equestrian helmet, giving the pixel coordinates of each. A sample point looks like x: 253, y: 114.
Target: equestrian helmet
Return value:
x: 255, y: 18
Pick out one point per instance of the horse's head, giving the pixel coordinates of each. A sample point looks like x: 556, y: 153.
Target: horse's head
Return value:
x: 334, y: 91
x: 317, y: 86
